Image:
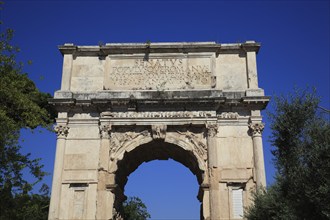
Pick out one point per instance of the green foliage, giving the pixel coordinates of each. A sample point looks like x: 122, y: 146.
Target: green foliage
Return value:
x: 135, y: 209
x: 26, y: 206
x: 22, y: 106
x: 269, y: 205
x: 301, y: 140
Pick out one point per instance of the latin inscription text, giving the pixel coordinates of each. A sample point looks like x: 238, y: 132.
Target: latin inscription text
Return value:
x: 160, y: 74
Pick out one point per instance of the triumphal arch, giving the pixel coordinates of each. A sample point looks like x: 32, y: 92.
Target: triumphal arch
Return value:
x: 124, y: 104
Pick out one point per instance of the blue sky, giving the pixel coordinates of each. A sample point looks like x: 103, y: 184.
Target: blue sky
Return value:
x: 295, y: 52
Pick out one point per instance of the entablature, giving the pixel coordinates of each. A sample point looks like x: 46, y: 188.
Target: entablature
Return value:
x: 200, y: 100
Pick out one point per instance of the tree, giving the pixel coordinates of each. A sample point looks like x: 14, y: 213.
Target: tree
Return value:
x: 301, y: 140
x: 135, y: 209
x: 28, y: 206
x: 22, y: 105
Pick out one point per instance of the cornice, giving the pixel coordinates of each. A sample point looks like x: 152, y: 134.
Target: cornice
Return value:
x: 156, y: 100
x: 164, y: 47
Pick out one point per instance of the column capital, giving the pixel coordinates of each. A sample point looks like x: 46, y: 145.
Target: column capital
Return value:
x: 256, y: 128
x: 61, y: 131
x: 105, y: 130
x: 212, y: 130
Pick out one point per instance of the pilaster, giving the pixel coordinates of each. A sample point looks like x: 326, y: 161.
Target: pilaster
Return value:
x: 62, y: 131
x: 212, y: 130
x: 105, y: 197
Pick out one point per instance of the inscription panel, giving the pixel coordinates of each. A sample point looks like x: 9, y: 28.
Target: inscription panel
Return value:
x: 159, y: 72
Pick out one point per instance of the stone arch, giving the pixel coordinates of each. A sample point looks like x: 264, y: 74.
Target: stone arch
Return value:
x: 144, y: 148
x: 118, y: 152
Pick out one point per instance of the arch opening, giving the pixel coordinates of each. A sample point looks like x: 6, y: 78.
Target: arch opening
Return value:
x: 167, y: 188
x: 154, y: 150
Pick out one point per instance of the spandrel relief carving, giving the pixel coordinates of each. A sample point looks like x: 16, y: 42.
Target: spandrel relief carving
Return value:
x: 121, y: 137
x: 197, y: 140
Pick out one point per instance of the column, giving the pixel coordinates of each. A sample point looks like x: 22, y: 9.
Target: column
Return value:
x: 62, y: 131
x: 105, y: 197
x: 212, y: 130
x: 256, y: 128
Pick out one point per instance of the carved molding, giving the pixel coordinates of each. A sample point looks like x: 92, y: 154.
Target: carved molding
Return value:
x: 160, y: 114
x: 105, y: 130
x: 212, y: 130
x: 256, y: 128
x: 61, y: 131
x: 158, y: 131
x: 228, y: 115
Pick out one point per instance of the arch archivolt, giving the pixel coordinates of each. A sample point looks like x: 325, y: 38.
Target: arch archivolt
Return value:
x: 125, y: 139
x: 122, y: 141
x: 192, y: 142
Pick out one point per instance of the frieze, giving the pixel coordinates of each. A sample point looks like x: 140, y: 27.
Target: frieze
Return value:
x: 228, y: 115
x: 161, y: 114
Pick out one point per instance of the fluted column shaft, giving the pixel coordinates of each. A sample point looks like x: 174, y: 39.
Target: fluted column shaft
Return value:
x: 256, y: 129
x: 62, y: 131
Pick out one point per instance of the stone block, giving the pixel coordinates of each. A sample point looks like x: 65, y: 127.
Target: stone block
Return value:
x: 255, y: 92
x: 235, y: 175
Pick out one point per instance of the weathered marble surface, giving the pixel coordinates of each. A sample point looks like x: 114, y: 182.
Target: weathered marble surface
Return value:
x: 123, y: 104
